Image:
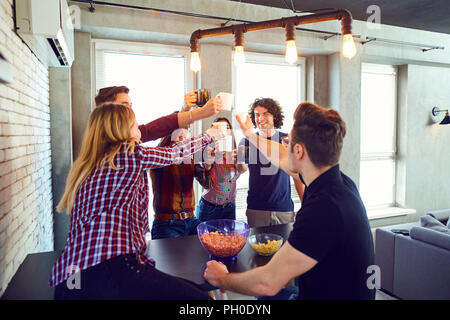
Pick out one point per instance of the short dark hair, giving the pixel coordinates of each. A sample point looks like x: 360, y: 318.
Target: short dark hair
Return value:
x: 321, y: 131
x: 109, y: 94
x: 272, y: 106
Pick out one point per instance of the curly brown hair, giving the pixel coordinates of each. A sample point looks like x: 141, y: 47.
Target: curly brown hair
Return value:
x: 272, y: 106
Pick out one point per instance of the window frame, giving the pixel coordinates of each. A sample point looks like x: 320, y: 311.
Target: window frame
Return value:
x: 132, y: 47
x: 275, y: 59
x: 385, y: 69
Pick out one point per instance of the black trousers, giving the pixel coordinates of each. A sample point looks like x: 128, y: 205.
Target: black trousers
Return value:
x: 124, y: 278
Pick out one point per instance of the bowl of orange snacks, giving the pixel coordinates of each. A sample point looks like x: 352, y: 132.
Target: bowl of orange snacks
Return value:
x: 223, y: 238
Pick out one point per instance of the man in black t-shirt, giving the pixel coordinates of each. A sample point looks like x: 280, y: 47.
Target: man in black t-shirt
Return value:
x: 330, y: 248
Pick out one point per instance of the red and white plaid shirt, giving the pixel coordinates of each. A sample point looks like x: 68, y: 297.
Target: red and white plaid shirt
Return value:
x: 110, y: 211
x: 223, y: 181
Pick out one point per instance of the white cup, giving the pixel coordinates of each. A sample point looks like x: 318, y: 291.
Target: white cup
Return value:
x: 227, y: 100
x: 225, y: 144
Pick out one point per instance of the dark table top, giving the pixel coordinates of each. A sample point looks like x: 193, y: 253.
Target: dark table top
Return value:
x: 183, y: 257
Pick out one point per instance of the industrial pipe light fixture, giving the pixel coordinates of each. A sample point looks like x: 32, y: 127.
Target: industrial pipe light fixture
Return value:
x: 348, y: 45
x: 239, y: 56
x: 435, y: 112
x: 195, y: 61
x: 291, y: 47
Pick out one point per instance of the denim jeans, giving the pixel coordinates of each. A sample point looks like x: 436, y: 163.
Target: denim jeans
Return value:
x: 123, y: 277
x: 207, y: 211
x: 174, y: 228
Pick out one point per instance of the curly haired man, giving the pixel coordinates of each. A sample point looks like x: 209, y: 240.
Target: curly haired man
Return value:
x: 269, y: 194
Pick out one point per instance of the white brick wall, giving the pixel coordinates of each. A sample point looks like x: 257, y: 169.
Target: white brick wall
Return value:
x: 26, y: 221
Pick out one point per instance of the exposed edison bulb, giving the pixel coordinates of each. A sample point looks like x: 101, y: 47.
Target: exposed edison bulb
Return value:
x: 239, y: 56
x: 195, y: 61
x: 291, y: 51
x: 348, y: 46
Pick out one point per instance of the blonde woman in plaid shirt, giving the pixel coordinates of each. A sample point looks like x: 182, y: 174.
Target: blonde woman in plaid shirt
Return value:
x: 106, y: 196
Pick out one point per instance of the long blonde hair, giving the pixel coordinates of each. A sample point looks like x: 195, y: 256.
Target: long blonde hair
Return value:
x: 108, y: 126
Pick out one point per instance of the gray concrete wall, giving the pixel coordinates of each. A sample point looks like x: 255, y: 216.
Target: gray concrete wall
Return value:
x: 317, y: 80
x: 61, y: 124
x: 81, y: 88
x: 216, y: 74
x: 344, y: 79
x: 321, y: 82
x: 427, y: 151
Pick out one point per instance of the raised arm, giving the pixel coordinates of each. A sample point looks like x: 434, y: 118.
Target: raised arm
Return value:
x: 165, y: 125
x: 157, y: 157
x: 159, y: 128
x: 267, y: 280
x: 212, y: 107
x: 239, y: 159
x: 275, y: 152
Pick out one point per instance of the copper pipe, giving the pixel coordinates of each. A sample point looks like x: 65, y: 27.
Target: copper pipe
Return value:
x: 238, y: 37
x: 341, y: 14
x: 290, y: 32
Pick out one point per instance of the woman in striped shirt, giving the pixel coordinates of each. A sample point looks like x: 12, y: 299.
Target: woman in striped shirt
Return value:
x: 106, y: 196
x: 218, y: 199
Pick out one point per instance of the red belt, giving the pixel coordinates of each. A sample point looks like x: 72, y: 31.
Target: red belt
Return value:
x: 173, y: 216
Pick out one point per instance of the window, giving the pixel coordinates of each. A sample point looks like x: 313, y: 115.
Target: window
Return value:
x: 267, y: 76
x: 378, y: 135
x: 155, y: 74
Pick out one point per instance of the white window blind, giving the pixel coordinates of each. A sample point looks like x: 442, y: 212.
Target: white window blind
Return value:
x: 378, y: 135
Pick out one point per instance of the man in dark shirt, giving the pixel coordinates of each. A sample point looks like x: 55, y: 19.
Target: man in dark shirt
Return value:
x: 269, y: 189
x: 330, y: 247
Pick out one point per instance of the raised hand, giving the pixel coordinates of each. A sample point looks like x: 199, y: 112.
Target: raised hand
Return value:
x: 245, y: 123
x: 211, y: 108
x: 190, y: 100
x: 216, y: 131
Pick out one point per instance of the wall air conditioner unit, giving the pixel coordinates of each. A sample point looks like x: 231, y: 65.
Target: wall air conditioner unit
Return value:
x: 46, y: 27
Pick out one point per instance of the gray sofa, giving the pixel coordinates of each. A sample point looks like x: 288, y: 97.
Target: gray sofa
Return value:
x: 415, y: 266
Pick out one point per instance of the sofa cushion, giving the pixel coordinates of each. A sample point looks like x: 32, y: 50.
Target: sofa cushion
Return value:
x: 431, y: 236
x: 406, y: 226
x: 384, y: 257
x: 441, y: 215
x: 421, y: 269
x: 428, y: 221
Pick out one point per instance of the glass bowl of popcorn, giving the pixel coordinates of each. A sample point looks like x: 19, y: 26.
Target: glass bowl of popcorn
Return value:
x: 223, y: 238
x: 266, y: 244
